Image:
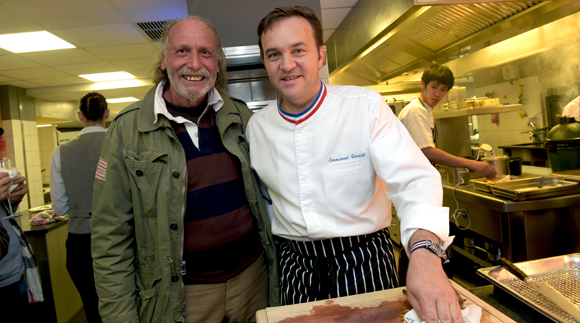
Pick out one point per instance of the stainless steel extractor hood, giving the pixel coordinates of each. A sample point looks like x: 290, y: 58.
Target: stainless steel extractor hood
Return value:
x: 380, y: 40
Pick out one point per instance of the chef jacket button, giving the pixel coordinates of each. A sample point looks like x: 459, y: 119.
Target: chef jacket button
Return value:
x: 173, y: 226
x: 139, y: 172
x: 176, y: 174
x: 196, y: 134
x: 174, y: 279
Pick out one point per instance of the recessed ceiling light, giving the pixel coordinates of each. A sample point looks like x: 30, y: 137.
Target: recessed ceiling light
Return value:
x: 120, y: 100
x: 103, y: 77
x: 32, y: 42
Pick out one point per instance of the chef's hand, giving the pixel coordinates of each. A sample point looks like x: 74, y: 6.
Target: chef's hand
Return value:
x: 486, y: 169
x: 17, y: 194
x: 428, y: 288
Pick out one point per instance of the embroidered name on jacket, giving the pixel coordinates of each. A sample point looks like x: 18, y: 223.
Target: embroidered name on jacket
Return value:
x: 347, y: 157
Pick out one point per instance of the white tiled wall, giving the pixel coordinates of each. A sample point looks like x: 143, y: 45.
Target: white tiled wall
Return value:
x: 47, y: 142
x: 511, y: 124
x: 20, y: 136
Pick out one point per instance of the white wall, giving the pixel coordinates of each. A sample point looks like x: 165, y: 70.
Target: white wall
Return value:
x: 511, y: 124
x: 47, y: 141
x: 21, y: 136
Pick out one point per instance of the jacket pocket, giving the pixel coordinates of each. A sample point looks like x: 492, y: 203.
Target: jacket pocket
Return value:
x: 145, y: 170
x: 148, y: 303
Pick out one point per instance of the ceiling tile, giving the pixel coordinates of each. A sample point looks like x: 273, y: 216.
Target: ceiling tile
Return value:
x: 104, y: 35
x: 4, y: 78
x: 325, y: 4
x: 34, y: 73
x: 62, y: 57
x: 140, y: 64
x: 151, y: 10
x: 64, y: 80
x: 331, y: 18
x: 54, y: 14
x: 22, y: 84
x: 140, y: 74
x: 124, y: 52
x: 13, y: 62
x: 12, y: 22
x: 88, y: 68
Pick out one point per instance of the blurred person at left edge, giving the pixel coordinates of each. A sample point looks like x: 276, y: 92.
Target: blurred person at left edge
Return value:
x: 180, y: 232
x: 14, y: 299
x: 72, y: 177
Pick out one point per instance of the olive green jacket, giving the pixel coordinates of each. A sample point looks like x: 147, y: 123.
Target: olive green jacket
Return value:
x: 137, y: 221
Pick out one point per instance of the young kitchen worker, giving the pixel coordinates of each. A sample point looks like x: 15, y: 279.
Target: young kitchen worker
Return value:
x: 417, y: 117
x: 572, y: 109
x: 324, y: 153
x: 72, y: 177
x: 180, y: 232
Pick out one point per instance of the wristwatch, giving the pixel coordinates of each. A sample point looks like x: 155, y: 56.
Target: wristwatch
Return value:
x: 432, y: 246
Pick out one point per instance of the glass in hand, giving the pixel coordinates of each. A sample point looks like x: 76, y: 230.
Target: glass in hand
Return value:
x: 6, y: 165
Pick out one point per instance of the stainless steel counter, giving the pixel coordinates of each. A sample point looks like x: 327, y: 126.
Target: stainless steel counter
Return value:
x: 468, y: 193
x: 488, y: 227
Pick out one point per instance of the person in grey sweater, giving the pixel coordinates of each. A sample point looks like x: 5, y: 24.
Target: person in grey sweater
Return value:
x: 72, y: 175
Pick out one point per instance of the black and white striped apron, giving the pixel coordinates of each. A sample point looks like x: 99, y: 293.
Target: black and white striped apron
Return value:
x: 323, y: 269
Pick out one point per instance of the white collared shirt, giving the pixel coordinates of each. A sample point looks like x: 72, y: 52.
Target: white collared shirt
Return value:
x: 418, y: 119
x: 58, y: 194
x: 325, y: 169
x: 214, y: 100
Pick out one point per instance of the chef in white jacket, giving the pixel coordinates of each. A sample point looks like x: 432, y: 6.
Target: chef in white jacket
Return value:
x: 332, y: 159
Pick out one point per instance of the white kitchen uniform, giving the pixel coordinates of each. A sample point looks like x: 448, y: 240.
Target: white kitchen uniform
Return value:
x: 324, y: 169
x: 572, y: 109
x: 418, y: 119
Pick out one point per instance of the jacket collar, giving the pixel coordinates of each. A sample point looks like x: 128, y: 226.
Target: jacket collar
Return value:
x: 146, y: 120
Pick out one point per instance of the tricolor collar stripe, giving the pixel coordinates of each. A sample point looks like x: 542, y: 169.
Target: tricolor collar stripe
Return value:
x: 306, y: 114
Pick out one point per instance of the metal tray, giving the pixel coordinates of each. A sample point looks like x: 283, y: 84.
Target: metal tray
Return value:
x: 561, y: 272
x: 483, y: 185
x: 535, y: 188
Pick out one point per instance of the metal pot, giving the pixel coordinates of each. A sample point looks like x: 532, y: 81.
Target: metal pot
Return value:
x: 501, y: 165
x: 515, y: 166
x: 457, y: 175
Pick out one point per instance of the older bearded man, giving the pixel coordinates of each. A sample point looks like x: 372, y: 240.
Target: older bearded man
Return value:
x: 179, y: 232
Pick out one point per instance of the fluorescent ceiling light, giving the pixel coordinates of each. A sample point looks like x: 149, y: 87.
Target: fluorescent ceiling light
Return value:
x: 32, y: 42
x: 43, y: 125
x: 120, y: 100
x: 103, y: 77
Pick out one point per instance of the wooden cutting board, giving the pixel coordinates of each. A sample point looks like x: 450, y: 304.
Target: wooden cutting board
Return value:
x: 384, y: 306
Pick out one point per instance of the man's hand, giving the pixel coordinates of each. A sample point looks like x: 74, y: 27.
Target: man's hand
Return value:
x: 19, y: 191
x: 486, y: 169
x: 428, y: 288
x: 17, y: 194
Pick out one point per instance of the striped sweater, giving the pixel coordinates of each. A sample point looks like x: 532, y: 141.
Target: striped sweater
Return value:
x: 221, y: 239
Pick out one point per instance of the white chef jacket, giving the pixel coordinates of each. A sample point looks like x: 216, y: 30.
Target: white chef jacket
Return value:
x: 418, y: 120
x: 324, y: 169
x: 572, y: 109
x: 58, y: 194
x: 214, y: 100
